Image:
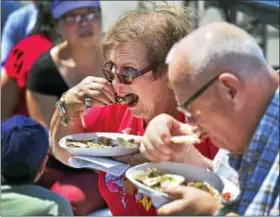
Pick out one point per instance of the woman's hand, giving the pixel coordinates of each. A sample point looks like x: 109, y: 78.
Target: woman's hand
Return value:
x: 98, y: 89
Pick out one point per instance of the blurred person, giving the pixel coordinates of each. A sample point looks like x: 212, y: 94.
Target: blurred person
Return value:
x: 20, y: 60
x: 134, y: 49
x: 7, y: 7
x: 17, y: 27
x: 24, y: 147
x: 62, y: 67
x: 68, y: 62
x: 222, y: 81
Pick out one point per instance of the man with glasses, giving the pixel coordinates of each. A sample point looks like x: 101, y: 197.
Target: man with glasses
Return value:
x: 224, y: 84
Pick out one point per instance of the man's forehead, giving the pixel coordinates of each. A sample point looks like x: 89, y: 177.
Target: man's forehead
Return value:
x: 179, y: 68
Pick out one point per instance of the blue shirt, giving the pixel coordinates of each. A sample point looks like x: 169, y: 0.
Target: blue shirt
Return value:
x: 257, y: 171
x: 7, y: 7
x: 18, y: 25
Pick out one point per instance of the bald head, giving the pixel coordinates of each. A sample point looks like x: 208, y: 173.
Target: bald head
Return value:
x: 215, y: 48
x: 219, y: 75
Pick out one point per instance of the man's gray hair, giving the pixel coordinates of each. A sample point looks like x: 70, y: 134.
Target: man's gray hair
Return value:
x: 213, y: 54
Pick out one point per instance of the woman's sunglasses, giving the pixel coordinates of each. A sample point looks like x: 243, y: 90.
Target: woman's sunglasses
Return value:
x: 75, y: 19
x: 126, y: 76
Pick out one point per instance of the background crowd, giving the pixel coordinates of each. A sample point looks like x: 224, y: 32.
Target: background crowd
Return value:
x: 56, y: 51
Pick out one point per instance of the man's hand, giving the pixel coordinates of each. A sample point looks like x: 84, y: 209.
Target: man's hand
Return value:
x: 189, y: 201
x: 156, y: 145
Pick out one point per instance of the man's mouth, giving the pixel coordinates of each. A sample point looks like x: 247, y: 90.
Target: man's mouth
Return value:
x: 130, y: 99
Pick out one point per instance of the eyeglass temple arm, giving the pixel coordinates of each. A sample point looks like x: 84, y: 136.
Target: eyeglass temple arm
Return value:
x: 199, y: 92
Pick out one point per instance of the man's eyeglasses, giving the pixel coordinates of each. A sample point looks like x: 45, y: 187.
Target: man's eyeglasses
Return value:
x: 126, y: 76
x: 75, y: 19
x: 184, y: 106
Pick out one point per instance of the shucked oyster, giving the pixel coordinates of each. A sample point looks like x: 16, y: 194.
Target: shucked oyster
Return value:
x: 156, y: 179
x: 127, y: 99
x: 101, y: 142
x: 130, y: 143
x: 87, y: 143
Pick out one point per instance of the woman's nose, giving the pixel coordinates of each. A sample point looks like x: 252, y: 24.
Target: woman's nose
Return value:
x: 118, y: 87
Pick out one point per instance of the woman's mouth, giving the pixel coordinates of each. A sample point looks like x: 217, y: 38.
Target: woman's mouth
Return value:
x: 130, y: 99
x: 85, y: 34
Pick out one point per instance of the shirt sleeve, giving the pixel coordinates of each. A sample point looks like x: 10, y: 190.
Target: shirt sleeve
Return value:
x: 222, y: 168
x: 44, y: 77
x: 15, y: 65
x: 23, y: 56
x: 275, y: 211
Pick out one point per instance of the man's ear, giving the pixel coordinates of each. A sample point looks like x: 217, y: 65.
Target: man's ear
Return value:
x: 42, y: 168
x: 233, y: 87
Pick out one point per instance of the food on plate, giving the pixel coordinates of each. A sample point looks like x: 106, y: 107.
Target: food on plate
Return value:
x: 188, y: 139
x: 101, y: 142
x: 86, y: 143
x: 156, y: 179
x: 126, y: 143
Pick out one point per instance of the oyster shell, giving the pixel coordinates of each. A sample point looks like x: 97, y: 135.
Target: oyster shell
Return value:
x: 155, y: 179
x: 188, y: 139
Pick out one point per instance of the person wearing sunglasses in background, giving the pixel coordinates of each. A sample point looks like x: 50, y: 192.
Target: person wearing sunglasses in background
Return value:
x: 62, y: 67
x: 232, y: 93
x: 135, y: 49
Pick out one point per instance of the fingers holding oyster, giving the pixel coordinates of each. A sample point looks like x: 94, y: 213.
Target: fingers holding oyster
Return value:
x: 93, y: 91
x: 89, y: 92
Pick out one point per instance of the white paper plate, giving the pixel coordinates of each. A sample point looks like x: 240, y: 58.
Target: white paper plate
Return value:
x: 99, y: 152
x: 190, y: 172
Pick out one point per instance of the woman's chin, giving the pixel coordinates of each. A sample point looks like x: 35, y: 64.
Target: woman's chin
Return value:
x: 86, y: 42
x: 136, y: 110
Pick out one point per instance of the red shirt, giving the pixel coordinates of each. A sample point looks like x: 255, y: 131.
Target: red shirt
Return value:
x: 20, y: 61
x: 120, y: 194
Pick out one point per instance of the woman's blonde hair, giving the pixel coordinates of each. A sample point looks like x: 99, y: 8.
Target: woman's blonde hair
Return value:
x: 158, y: 28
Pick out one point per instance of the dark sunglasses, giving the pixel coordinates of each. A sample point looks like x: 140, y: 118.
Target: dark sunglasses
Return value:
x: 75, y: 19
x: 183, y: 107
x: 126, y: 76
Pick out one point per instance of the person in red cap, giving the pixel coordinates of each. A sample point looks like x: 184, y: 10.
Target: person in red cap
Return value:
x: 24, y: 147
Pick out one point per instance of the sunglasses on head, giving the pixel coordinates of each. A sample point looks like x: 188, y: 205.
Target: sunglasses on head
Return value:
x: 75, y: 19
x: 126, y: 76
